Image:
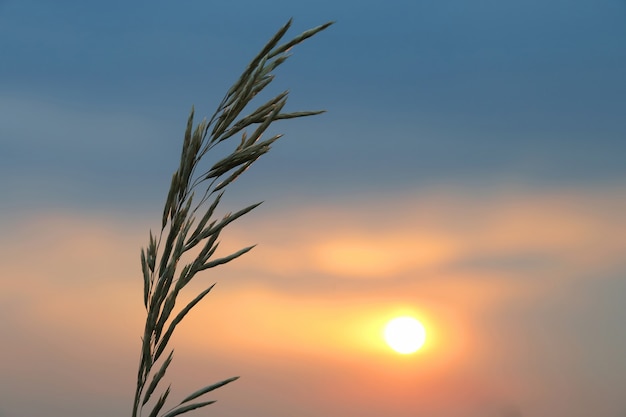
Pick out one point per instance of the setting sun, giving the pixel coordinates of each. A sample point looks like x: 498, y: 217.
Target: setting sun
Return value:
x: 405, y: 335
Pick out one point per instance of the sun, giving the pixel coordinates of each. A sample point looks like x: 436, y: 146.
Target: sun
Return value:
x: 405, y: 335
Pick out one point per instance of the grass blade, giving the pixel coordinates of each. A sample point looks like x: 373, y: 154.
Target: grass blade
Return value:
x: 209, y: 388
x: 177, y: 319
x: 157, y: 378
x: 187, y: 408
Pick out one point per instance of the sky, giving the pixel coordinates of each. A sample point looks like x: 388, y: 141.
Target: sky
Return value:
x: 469, y: 172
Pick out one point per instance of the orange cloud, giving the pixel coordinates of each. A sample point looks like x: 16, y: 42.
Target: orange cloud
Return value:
x: 319, y: 288
x: 502, y: 232
x: 379, y: 255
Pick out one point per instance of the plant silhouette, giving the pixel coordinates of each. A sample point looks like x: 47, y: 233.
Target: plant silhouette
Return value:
x: 181, y: 232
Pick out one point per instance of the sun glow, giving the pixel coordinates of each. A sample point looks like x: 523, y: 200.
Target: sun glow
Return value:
x: 405, y: 335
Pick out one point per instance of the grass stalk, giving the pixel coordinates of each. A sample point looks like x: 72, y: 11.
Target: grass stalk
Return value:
x: 163, y: 277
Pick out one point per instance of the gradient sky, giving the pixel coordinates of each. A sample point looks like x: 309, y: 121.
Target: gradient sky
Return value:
x: 469, y: 171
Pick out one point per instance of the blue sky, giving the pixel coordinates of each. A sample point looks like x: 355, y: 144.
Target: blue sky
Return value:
x: 470, y: 169
x: 418, y: 93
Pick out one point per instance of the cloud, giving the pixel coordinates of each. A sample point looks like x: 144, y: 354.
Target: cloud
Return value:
x: 526, y: 235
x: 512, y: 293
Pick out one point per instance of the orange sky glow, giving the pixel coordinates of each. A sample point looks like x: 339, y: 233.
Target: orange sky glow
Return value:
x: 301, y: 316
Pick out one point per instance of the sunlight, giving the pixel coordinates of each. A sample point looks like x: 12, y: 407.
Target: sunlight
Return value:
x: 405, y: 335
